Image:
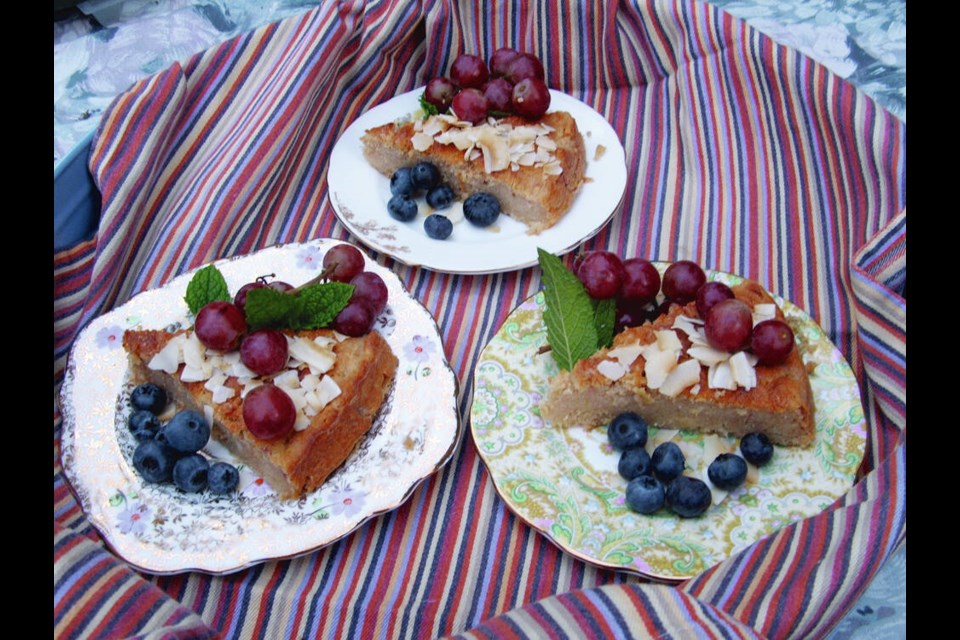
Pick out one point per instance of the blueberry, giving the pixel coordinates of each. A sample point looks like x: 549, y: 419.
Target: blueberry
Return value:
x: 634, y: 463
x: 222, y: 478
x: 149, y: 397
x: 143, y: 424
x: 440, y: 197
x: 688, y: 497
x: 481, y: 209
x: 438, y: 227
x: 645, y: 494
x: 425, y: 175
x: 402, y: 208
x: 190, y: 473
x: 756, y: 448
x: 727, y: 471
x: 626, y: 431
x: 154, y: 460
x: 667, y: 461
x: 187, y: 432
x: 401, y: 183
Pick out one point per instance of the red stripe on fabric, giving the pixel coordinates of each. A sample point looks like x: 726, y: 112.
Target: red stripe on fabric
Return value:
x: 646, y: 612
x: 106, y: 576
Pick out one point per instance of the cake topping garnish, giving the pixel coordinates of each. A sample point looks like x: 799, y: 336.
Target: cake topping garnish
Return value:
x: 501, y: 144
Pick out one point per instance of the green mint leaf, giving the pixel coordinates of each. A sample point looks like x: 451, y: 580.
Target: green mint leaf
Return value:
x: 206, y: 286
x: 604, y: 319
x: 319, y: 304
x: 268, y: 308
x: 569, y: 314
x: 428, y: 108
x: 313, y: 307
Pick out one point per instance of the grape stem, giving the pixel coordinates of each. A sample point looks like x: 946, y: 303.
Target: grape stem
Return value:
x: 324, y: 275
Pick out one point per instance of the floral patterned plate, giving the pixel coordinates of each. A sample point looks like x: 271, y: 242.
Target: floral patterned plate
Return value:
x: 161, y: 530
x: 359, y: 195
x: 564, y: 482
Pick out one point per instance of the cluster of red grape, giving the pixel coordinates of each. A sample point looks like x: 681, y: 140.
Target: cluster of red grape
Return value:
x: 512, y: 83
x: 635, y: 284
x: 222, y: 326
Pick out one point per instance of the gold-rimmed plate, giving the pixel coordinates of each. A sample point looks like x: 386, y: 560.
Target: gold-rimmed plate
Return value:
x: 564, y: 482
x: 161, y: 530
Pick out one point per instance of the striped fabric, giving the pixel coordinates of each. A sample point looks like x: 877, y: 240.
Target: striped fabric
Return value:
x: 742, y: 155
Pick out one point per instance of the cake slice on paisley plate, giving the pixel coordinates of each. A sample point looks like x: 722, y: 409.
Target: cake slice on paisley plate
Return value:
x: 672, y: 374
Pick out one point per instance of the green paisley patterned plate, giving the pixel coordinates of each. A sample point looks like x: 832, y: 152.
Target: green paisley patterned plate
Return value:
x: 564, y: 482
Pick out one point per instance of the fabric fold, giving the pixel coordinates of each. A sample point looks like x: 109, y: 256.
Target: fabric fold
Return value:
x: 742, y: 155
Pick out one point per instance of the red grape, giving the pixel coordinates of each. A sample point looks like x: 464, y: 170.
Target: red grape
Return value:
x: 220, y: 325
x: 728, y: 325
x: 264, y: 352
x: 601, y: 273
x: 269, y: 412
x: 525, y: 65
x: 500, y: 61
x: 772, y: 341
x: 633, y: 313
x: 531, y: 98
x: 280, y: 286
x: 440, y: 93
x: 470, y: 105
x: 681, y: 281
x: 370, y: 287
x: 499, y: 95
x: 641, y: 281
x: 710, y: 294
x: 343, y: 262
x: 356, y: 319
x: 469, y: 71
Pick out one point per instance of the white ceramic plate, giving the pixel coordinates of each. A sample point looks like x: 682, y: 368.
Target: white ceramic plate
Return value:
x: 161, y: 530
x: 359, y: 195
x: 564, y: 482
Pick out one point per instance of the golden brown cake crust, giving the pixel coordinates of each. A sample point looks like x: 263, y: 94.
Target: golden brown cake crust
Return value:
x: 781, y: 405
x: 528, y: 194
x: 300, y: 462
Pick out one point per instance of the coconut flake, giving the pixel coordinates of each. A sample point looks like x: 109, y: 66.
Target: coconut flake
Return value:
x: 743, y: 374
x: 167, y: 359
x: 765, y: 311
x: 611, y: 369
x: 686, y: 374
x: 667, y: 340
x: 328, y: 390
x: 708, y: 356
x: 658, y: 366
x: 319, y: 357
x: 421, y: 141
x: 626, y: 354
x: 222, y: 394
x: 720, y: 377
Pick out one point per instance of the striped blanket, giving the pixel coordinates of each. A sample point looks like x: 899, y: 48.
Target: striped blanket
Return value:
x: 742, y: 155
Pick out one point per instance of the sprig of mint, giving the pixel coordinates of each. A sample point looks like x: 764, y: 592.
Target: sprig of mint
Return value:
x: 570, y: 315
x: 207, y: 285
x: 312, y: 307
x: 604, y: 319
x: 428, y: 108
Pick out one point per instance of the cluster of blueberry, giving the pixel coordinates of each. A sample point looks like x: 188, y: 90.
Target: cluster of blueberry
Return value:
x: 170, y: 451
x: 407, y: 183
x: 657, y: 480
